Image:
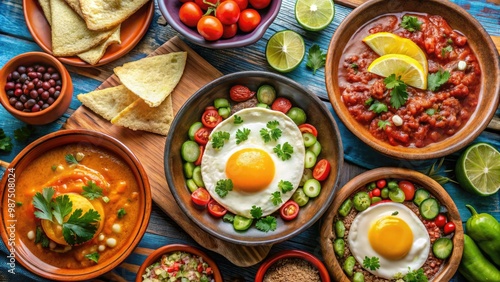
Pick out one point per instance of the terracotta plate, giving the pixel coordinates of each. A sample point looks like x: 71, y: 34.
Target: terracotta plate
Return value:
x: 132, y: 30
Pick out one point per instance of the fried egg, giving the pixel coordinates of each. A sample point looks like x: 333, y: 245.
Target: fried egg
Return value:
x: 252, y: 165
x: 392, y: 233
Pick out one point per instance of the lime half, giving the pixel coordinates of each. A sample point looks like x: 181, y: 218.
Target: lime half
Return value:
x: 478, y: 169
x: 314, y: 14
x: 285, y: 50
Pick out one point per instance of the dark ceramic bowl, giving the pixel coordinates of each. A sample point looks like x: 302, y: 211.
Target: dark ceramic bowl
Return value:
x: 458, y: 19
x: 170, y: 10
x: 317, y: 115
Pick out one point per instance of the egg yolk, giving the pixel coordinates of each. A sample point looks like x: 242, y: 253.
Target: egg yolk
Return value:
x: 391, y: 237
x: 250, y: 169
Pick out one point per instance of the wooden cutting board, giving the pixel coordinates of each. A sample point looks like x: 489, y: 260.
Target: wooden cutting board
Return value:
x: 149, y: 148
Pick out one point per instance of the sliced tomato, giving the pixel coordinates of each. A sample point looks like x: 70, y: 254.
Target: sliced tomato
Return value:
x: 200, y: 196
x: 308, y: 128
x: 198, y: 161
x: 440, y: 220
x: 281, y: 104
x: 201, y: 135
x: 211, y: 118
x: 321, y: 170
x: 408, y: 188
x: 216, y: 209
x: 289, y: 210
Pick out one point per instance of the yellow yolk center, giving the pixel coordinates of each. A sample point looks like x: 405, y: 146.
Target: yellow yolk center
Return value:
x: 250, y: 169
x: 391, y: 237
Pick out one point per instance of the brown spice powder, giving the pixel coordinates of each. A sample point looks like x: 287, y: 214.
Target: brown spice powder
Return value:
x: 292, y: 269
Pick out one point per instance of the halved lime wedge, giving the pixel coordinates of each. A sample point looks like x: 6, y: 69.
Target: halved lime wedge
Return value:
x: 285, y: 50
x: 411, y: 71
x: 314, y: 15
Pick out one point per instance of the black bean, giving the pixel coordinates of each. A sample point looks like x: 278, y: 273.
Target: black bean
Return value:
x: 12, y: 101
x: 23, y: 98
x: 18, y: 92
x: 35, y: 108
x: 15, y: 75
x: 21, y: 69
x: 45, y: 95
x: 50, y: 101
x: 29, y: 69
x: 55, y: 76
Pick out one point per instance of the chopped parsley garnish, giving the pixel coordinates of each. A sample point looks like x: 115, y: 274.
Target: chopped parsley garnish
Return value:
x: 256, y: 212
x: 378, y: 107
x: 316, y: 58
x: 266, y: 224
x: 53, y: 167
x: 435, y: 80
x: 79, y: 227
x: 355, y: 67
x: 371, y: 263
x: 285, y: 186
x: 430, y: 111
x: 19, y: 204
x: 271, y: 132
x: 237, y: 119
x: 223, y: 186
x: 218, y: 139
x: 5, y: 142
x: 398, y: 93
x: 93, y: 257
x: 70, y: 159
x: 242, y: 135
x: 369, y: 101
x: 276, y: 198
x: 41, y: 238
x: 23, y: 133
x: 395, y: 213
x: 228, y: 217
x: 446, y: 50
x: 92, y: 191
x: 415, y: 276
x: 411, y: 23
x: 284, y: 152
x: 382, y: 124
x: 121, y: 213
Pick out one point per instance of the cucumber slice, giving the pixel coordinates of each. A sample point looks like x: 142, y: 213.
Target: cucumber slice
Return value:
x: 221, y: 103
x: 224, y: 112
x: 420, y: 196
x: 191, y: 185
x: 312, y: 187
x: 361, y: 201
x: 300, y: 197
x: 266, y: 94
x: 345, y: 208
x: 442, y: 248
x: 193, y: 128
x: 241, y: 223
x: 308, y: 174
x: 316, y: 148
x: 190, y: 151
x: 188, y: 170
x: 309, y: 139
x: 198, y: 179
x: 310, y: 160
x: 429, y: 208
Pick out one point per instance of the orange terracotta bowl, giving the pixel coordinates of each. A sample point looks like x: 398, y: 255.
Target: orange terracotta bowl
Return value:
x: 328, y: 235
x: 458, y: 19
x: 157, y: 254
x: 19, y: 239
x: 60, y: 105
x: 293, y: 254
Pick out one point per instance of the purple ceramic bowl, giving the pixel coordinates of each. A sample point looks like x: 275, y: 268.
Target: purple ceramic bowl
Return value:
x: 170, y: 10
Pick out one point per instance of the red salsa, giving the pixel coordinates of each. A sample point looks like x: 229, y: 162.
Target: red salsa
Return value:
x: 427, y: 116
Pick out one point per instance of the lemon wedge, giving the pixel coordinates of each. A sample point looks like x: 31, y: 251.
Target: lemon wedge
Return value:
x: 410, y: 70
x: 384, y: 43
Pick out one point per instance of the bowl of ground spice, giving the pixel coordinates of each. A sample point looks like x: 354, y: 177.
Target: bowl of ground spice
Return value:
x: 292, y: 265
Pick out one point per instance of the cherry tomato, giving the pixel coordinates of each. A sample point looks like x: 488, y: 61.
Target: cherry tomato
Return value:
x: 240, y: 93
x: 200, y: 196
x: 190, y: 14
x: 249, y: 20
x: 211, y: 118
x: 308, y: 128
x: 200, y: 157
x: 289, y: 210
x: 228, y: 12
x: 381, y: 183
x: 210, y: 28
x: 370, y: 194
x: 321, y: 170
x: 259, y: 4
x: 408, y: 188
x: 205, y: 6
x: 449, y: 228
x: 210, y: 108
x: 281, y: 104
x: 201, y: 135
x: 229, y: 30
x: 440, y: 220
x: 216, y: 209
x: 376, y: 192
x: 242, y: 4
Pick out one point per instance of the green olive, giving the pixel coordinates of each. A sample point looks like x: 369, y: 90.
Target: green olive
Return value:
x: 297, y: 115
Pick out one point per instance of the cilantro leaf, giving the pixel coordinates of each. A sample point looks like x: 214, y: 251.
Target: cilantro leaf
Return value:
x: 378, y: 107
x: 218, y: 139
x: 415, y: 276
x: 411, y: 23
x: 237, y: 119
x: 80, y: 228
x: 93, y: 257
x: 285, y: 186
x: 256, y: 212
x: 121, y: 213
x: 398, y: 93
x: 266, y: 224
x: 5, y: 142
x: 276, y: 198
x: 355, y: 67
x: 61, y: 208
x: 242, y: 135
x: 228, y: 217
x: 70, y: 159
x: 223, y: 186
x: 430, y: 111
x: 284, y: 152
x: 446, y: 50
x: 271, y: 132
x: 369, y: 101
x: 92, y: 191
x: 395, y: 213
x: 371, y: 263
x: 23, y: 133
x: 42, y: 202
x: 435, y: 80
x: 41, y: 238
x: 316, y: 58
x: 383, y: 123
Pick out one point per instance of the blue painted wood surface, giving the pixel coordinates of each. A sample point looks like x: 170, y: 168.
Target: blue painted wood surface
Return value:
x: 16, y: 39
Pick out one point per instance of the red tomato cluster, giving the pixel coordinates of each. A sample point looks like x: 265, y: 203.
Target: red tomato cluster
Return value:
x: 215, y: 19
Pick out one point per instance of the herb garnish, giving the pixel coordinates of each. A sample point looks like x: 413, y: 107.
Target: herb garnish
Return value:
x: 218, y: 139
x: 398, y: 93
x: 223, y: 186
x: 446, y: 50
x: 276, y: 198
x: 23, y: 133
x: 284, y: 152
x: 411, y: 23
x: 70, y: 159
x: 369, y: 101
x: 5, y: 142
x: 92, y: 191
x: 121, y: 213
x: 371, y: 263
x: 228, y: 217
x: 266, y: 224
x: 395, y: 213
x: 435, y: 80
x: 316, y: 58
x: 415, y: 276
x: 93, y: 257
x: 355, y: 67
x: 237, y: 119
x: 430, y: 111
x: 378, y: 107
x: 41, y: 238
x: 256, y: 212
x: 285, y: 186
x: 382, y: 124
x: 242, y: 135
x: 271, y: 132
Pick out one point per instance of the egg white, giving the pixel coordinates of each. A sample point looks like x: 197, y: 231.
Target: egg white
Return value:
x: 360, y: 246
x: 213, y: 165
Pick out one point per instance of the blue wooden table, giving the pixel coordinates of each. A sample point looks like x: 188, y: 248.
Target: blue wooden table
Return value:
x: 16, y: 39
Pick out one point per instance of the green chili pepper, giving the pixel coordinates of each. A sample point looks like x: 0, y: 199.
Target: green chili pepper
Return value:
x: 484, y: 229
x: 474, y: 266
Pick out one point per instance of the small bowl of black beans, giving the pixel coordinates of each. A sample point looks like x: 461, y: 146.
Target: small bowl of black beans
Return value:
x: 35, y: 88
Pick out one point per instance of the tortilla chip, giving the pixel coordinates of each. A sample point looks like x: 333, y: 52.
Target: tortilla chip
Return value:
x: 75, y: 5
x: 108, y: 102
x: 140, y: 116
x: 105, y: 14
x: 153, y: 78
x: 70, y: 35
x: 93, y: 55
x: 45, y: 4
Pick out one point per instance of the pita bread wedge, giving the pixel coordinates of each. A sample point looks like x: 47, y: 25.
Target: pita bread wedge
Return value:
x: 153, y: 78
x: 70, y: 35
x: 140, y: 116
x: 75, y: 5
x: 95, y: 54
x: 108, y: 102
x: 45, y: 4
x: 105, y: 14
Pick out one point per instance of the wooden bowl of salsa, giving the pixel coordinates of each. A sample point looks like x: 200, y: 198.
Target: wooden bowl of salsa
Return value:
x: 75, y: 203
x: 459, y: 62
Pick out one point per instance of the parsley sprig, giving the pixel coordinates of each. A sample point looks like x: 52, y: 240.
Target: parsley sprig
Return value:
x: 371, y: 263
x: 398, y: 92
x: 256, y: 211
x: 382, y: 124
x: 91, y: 191
x: 70, y: 159
x: 223, y: 186
x: 285, y: 186
x: 271, y: 131
x: 237, y: 119
x: 411, y: 23
x: 5, y: 142
x: 23, y: 133
x: 435, y: 80
x: 93, y: 257
x: 266, y: 224
x: 242, y: 135
x: 378, y: 107
x: 284, y: 152
x: 218, y: 139
x: 316, y: 58
x: 276, y: 198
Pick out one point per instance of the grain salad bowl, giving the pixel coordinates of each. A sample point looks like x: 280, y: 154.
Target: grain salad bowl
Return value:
x: 398, y: 138
x: 446, y: 207
x: 191, y: 112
